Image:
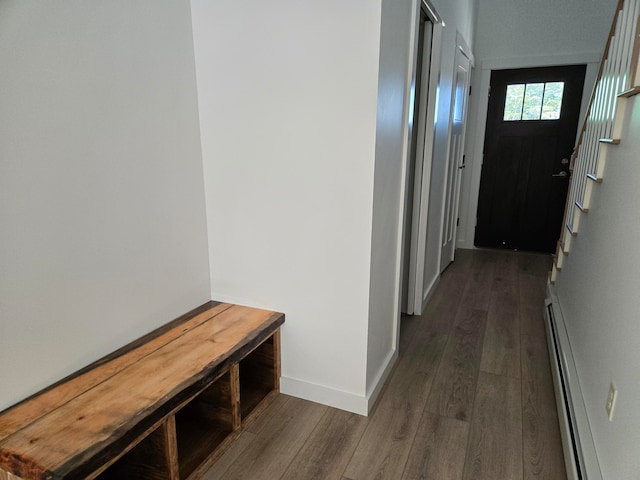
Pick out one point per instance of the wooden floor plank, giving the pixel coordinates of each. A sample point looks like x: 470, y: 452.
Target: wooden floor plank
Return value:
x: 495, y: 438
x: 326, y: 453
x: 440, y: 313
x: 278, y: 441
x: 479, y: 281
x: 454, y: 386
x: 531, y: 294
x: 438, y: 450
x: 542, y: 449
x: 537, y: 264
x: 384, y: 448
x: 463, y: 262
x: 233, y: 454
x: 249, y: 435
x: 501, y: 350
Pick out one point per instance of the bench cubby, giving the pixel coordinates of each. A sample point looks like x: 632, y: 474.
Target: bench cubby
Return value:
x: 203, y: 424
x: 257, y: 378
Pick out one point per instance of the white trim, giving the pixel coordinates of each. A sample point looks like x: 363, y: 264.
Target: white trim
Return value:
x: 428, y: 293
x: 406, y: 154
x: 348, y: 401
x: 465, y: 49
x: 541, y: 61
x: 432, y: 14
x: 381, y: 378
x: 423, y: 177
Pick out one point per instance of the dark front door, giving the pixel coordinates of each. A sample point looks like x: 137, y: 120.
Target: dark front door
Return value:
x: 531, y: 129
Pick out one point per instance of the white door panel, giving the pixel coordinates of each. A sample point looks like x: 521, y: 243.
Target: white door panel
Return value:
x: 455, y: 161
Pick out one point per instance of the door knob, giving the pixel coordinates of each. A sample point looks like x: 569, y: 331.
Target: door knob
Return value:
x: 561, y: 174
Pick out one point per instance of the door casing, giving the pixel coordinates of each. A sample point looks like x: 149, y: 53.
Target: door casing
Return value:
x: 476, y: 126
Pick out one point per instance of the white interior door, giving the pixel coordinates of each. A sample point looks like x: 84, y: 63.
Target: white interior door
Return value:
x: 455, y: 162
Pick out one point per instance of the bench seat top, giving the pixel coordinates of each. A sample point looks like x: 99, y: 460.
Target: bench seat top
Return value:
x: 73, y: 428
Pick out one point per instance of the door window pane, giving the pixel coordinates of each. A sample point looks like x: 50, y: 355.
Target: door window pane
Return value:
x: 513, y: 104
x: 552, y: 100
x: 533, y: 101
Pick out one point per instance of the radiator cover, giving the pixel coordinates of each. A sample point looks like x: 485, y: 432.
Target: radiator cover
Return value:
x: 579, y: 450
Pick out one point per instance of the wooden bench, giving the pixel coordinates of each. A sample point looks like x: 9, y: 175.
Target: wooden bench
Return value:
x: 163, y: 407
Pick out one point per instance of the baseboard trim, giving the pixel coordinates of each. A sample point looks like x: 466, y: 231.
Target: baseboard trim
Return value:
x: 351, y: 402
x: 332, y: 397
x: 577, y: 441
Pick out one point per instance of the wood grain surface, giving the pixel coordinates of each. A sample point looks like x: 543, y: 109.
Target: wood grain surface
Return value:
x: 455, y: 384
x: 495, y: 437
x: 541, y: 435
x: 384, y: 447
x: 501, y: 350
x: 122, y: 399
x: 329, y: 448
x: 279, y: 438
x: 26, y: 412
x: 438, y: 450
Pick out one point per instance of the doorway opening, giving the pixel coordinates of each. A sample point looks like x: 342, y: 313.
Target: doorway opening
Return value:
x: 421, y: 146
x: 532, y: 120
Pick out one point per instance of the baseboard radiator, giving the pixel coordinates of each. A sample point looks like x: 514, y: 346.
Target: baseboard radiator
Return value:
x: 577, y: 442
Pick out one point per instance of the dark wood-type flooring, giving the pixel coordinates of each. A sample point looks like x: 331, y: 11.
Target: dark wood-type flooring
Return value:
x: 471, y: 396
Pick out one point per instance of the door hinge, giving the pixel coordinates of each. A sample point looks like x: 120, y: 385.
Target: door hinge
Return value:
x: 470, y: 86
x: 458, y: 222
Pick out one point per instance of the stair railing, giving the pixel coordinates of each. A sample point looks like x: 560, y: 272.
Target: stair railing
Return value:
x: 617, y: 77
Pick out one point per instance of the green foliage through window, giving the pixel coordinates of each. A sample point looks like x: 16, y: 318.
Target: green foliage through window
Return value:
x: 513, y: 104
x: 533, y: 101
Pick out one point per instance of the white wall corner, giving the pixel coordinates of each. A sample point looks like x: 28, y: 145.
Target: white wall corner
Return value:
x: 373, y: 392
x: 349, y: 401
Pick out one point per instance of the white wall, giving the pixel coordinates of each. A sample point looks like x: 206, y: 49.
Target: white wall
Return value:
x: 287, y: 95
x: 598, y: 293
x: 541, y: 33
x: 102, y: 216
x: 394, y: 84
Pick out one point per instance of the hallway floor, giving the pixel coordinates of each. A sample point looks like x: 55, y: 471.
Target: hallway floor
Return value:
x: 471, y: 396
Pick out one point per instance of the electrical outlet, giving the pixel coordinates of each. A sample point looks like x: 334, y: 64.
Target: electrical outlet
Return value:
x: 611, y: 400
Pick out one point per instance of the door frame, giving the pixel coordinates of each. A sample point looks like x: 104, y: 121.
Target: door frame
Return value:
x: 520, y: 205
x: 429, y: 209
x: 476, y: 128
x: 422, y: 177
